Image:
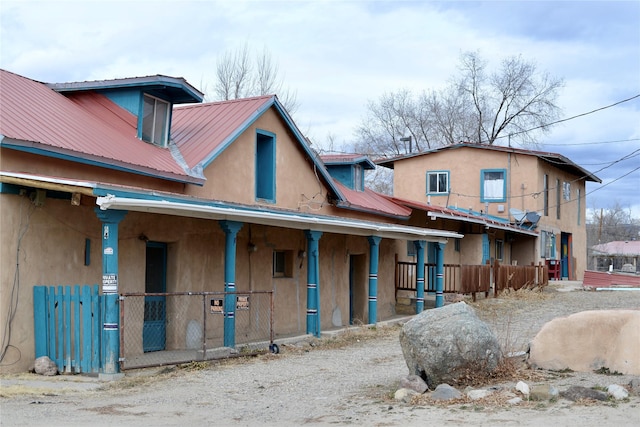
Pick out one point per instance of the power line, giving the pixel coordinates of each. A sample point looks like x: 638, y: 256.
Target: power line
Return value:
x: 572, y: 117
x: 591, y: 143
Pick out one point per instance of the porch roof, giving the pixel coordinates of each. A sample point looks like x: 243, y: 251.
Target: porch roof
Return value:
x: 118, y: 197
x: 434, y: 212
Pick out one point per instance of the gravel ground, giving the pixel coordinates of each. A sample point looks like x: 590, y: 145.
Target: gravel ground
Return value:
x: 332, y: 383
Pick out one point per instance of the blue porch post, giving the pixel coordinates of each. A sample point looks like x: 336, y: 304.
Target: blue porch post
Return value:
x: 419, y: 244
x: 313, y: 288
x: 374, y: 250
x: 439, y: 274
x: 111, y: 325
x: 230, y: 229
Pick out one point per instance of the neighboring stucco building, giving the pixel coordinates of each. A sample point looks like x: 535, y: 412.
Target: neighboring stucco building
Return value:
x: 622, y: 255
x: 541, y: 192
x: 112, y: 183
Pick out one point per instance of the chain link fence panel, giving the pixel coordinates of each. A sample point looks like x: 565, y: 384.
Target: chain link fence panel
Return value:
x: 171, y: 328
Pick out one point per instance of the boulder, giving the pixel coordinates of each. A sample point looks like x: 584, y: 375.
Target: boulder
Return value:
x: 442, y: 344
x: 588, y: 341
x: 45, y: 366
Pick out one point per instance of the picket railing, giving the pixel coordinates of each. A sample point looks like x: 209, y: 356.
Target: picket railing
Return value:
x: 67, y: 326
x: 472, y: 279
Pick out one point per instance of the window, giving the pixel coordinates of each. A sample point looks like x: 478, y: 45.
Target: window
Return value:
x: 566, y: 191
x: 558, y: 199
x: 545, y: 190
x: 155, y: 121
x: 547, y: 244
x: 456, y: 245
x: 493, y: 185
x: 499, y: 250
x: 358, y: 181
x: 411, y: 248
x: 282, y: 263
x: 437, y: 182
x: 266, y: 166
x: 579, y: 205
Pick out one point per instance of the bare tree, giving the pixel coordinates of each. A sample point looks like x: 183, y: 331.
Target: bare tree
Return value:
x: 237, y: 76
x: 478, y: 106
x: 612, y: 224
x: 515, y: 100
x: 233, y: 75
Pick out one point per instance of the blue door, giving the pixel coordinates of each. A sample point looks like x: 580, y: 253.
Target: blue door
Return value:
x: 154, y: 332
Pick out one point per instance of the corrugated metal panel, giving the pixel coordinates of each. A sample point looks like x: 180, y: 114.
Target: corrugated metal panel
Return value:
x: 371, y: 201
x: 600, y: 279
x: 30, y: 111
x: 200, y: 130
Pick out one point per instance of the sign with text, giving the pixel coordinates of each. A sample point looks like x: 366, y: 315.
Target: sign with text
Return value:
x: 217, y: 306
x: 242, y: 302
x: 109, y: 283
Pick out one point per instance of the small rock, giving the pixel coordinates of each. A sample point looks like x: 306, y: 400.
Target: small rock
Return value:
x: 577, y: 392
x: 45, y: 366
x: 617, y: 391
x: 514, y: 401
x: 543, y: 392
x: 414, y: 382
x: 523, y: 388
x: 445, y: 392
x: 404, y: 394
x: 634, y: 386
x: 478, y: 394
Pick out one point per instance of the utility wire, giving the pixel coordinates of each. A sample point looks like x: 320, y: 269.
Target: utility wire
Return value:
x: 572, y: 117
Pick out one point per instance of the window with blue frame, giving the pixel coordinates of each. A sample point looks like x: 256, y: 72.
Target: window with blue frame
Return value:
x: 265, y: 166
x: 155, y: 120
x: 493, y: 185
x: 437, y: 182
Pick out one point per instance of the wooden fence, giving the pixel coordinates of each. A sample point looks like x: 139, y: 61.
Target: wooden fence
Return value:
x: 67, y: 326
x: 471, y: 279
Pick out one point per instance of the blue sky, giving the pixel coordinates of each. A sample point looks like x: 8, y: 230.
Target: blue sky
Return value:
x: 339, y: 55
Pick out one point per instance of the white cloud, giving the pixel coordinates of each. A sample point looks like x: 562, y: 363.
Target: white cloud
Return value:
x: 340, y: 55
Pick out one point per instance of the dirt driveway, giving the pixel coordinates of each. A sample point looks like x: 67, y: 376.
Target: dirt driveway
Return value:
x: 348, y: 380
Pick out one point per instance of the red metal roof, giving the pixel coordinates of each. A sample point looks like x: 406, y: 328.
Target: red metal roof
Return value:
x: 618, y: 248
x: 202, y: 131
x: 371, y: 201
x: 88, y: 127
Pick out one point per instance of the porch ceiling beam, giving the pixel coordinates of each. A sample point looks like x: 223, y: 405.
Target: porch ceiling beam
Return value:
x: 276, y: 219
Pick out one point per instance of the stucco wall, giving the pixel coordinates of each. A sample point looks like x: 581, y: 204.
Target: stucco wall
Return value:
x: 232, y: 174
x: 52, y: 253
x: 46, y: 245
x: 525, y: 175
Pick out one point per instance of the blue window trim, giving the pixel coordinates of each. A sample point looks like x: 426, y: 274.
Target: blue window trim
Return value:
x: 428, y: 193
x: 504, y: 186
x: 272, y: 172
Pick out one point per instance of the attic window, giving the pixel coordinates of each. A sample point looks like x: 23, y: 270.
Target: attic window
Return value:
x: 358, y: 181
x: 155, y: 121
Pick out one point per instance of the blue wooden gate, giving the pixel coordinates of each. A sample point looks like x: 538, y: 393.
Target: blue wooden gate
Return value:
x: 67, y: 326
